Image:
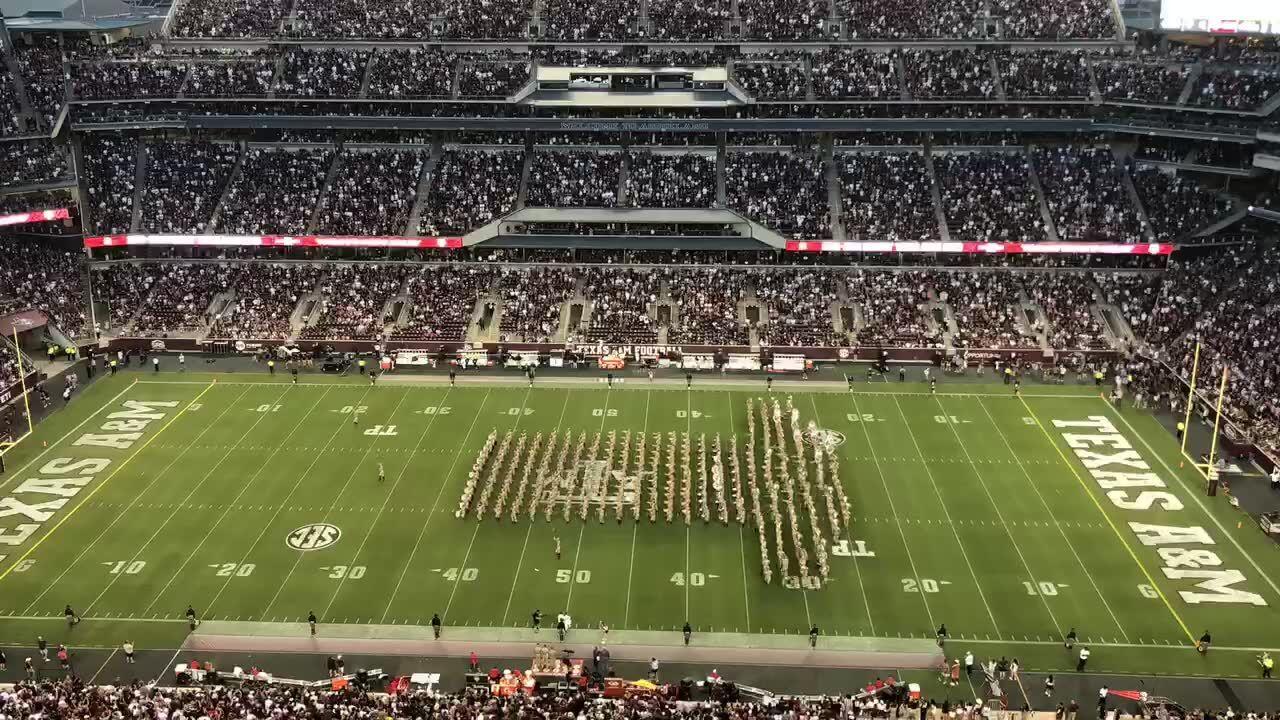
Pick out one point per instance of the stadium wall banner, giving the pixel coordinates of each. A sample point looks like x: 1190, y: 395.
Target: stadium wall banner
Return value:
x: 15, y: 389
x: 1129, y: 483
x: 974, y: 248
x: 476, y: 353
x: 283, y: 241
x: 34, y: 216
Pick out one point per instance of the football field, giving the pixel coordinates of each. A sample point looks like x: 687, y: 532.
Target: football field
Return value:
x: 1010, y: 519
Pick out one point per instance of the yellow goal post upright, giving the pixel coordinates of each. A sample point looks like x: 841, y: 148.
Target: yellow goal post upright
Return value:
x: 7, y: 445
x: 1206, y: 468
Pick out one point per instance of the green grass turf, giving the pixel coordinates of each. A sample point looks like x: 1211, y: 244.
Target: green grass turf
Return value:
x: 976, y: 512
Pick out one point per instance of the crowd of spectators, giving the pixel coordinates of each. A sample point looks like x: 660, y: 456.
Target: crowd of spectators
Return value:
x: 110, y: 172
x: 985, y: 306
x: 138, y: 78
x: 779, y: 79
x: 1235, y: 87
x: 1067, y: 302
x: 784, y: 19
x: 680, y: 20
x: 10, y: 106
x: 892, y: 305
x: 442, y: 300
x: 46, y: 278
x: 40, y: 62
x: 325, y: 72
x: 706, y: 302
x: 752, y: 183
x: 987, y: 196
x: 567, y: 20
x: 32, y: 162
x: 163, y: 298
x: 531, y: 302
x: 266, y: 295
x: 1085, y: 190
x: 1175, y: 205
x: 246, y: 77
x: 1044, y: 74
x: 354, y: 297
x: 855, y: 74
x: 1134, y: 294
x: 470, y: 188
x: 1149, y: 82
x: 948, y: 74
x: 275, y: 191
x: 412, y: 73
x: 623, y: 305
x: 671, y: 180
x: 799, y: 309
x: 184, y: 182
x: 372, y: 193
x: 492, y: 77
x: 886, y: 196
x: 574, y: 178
x: 228, y: 18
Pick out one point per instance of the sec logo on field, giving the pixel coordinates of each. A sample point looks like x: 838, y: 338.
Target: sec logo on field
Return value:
x: 316, y: 536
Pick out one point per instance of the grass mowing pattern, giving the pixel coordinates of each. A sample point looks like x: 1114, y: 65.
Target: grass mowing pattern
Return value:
x: 966, y: 508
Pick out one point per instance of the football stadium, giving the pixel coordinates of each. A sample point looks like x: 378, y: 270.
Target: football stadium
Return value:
x: 711, y: 359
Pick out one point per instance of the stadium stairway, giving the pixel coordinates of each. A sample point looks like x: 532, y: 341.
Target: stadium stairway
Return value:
x: 722, y: 193
x: 935, y: 188
x: 1196, y: 71
x: 82, y: 190
x: 1045, y: 215
x: 413, y: 228
x: 231, y: 181
x: 334, y: 165
x: 1095, y: 94
x: 834, y: 203
x: 1224, y: 221
x: 139, y: 186
x: 1121, y: 157
x: 1270, y: 106
x: 488, y: 333
x: 28, y: 117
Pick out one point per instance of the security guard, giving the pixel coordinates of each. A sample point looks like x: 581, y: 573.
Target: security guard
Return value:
x: 271, y: 366
x: 1267, y: 663
x: 1182, y: 427
x: 360, y: 365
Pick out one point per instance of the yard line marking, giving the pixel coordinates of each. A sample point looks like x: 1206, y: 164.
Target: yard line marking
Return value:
x: 573, y: 579
x: 947, y: 513
x: 893, y: 509
x: 1119, y: 536
x: 194, y: 488
x: 17, y: 473
x: 280, y: 508
x: 635, y: 526
x: 688, y: 429
x: 103, y: 666
x: 520, y: 563
x: 356, y: 557
x: 995, y: 506
x: 39, y: 541
x: 742, y: 548
x: 1195, y: 495
x: 1071, y: 546
x: 430, y: 514
x: 524, y: 403
x: 243, y: 489
x: 856, y: 568
x: 337, y: 498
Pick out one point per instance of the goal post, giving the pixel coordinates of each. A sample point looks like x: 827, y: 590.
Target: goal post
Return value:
x: 7, y: 445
